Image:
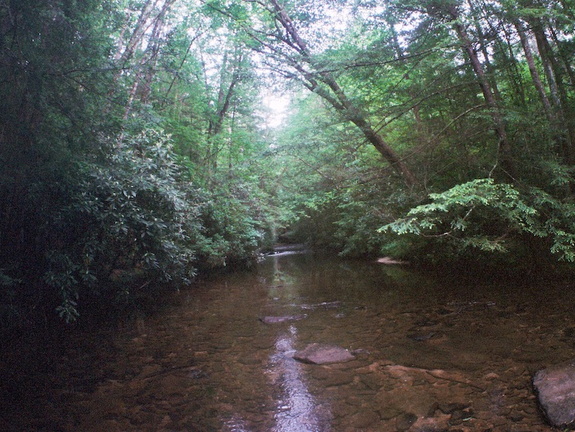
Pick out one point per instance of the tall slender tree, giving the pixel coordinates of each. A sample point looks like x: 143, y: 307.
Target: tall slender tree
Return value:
x: 287, y: 46
x: 451, y: 12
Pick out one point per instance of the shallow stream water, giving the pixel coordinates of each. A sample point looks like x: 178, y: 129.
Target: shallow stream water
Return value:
x: 431, y: 354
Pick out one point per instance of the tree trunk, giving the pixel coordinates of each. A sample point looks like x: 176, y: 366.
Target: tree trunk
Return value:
x: 226, y: 92
x: 125, y: 54
x: 535, y: 77
x: 150, y: 58
x: 566, y: 60
x: 145, y: 69
x: 483, y: 47
x: 547, y: 60
x: 558, y: 91
x: 335, y: 96
x: 504, y: 147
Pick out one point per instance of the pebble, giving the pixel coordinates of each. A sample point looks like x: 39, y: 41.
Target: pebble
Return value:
x: 405, y: 421
x: 364, y: 419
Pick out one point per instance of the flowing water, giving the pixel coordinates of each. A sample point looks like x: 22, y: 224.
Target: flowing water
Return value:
x: 431, y: 354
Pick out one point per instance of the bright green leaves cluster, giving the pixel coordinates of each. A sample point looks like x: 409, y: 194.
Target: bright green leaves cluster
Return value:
x: 557, y: 222
x: 459, y: 209
x: 486, y: 215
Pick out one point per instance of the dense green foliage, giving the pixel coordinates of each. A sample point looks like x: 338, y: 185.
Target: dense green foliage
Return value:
x: 99, y: 206
x: 136, y: 148
x: 490, y: 217
x: 486, y: 131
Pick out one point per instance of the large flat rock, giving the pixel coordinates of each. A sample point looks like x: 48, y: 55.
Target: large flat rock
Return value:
x: 316, y: 353
x: 555, y: 388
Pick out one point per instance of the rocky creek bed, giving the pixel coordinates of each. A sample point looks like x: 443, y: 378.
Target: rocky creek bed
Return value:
x: 424, y: 355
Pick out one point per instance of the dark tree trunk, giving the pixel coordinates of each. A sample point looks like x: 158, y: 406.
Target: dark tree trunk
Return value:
x: 535, y: 77
x: 504, y: 147
x: 335, y: 95
x: 557, y: 88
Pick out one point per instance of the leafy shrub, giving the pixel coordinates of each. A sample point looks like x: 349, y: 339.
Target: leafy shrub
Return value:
x: 116, y: 227
x: 234, y: 225
x: 130, y: 218
x: 491, y: 217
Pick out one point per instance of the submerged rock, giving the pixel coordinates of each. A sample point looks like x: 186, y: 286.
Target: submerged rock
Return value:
x: 421, y: 337
x: 281, y: 319
x: 555, y: 387
x: 405, y: 421
x: 322, y: 305
x: 316, y: 353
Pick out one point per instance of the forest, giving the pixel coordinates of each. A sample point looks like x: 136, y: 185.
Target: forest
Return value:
x: 144, y: 143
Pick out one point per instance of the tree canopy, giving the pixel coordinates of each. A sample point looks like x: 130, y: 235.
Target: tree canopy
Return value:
x: 136, y: 146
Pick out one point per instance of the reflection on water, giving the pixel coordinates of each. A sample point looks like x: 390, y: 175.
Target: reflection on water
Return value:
x: 296, y: 407
x: 236, y: 424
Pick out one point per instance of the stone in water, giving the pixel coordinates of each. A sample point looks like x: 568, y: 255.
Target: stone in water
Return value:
x: 555, y: 387
x: 281, y: 319
x: 323, y: 354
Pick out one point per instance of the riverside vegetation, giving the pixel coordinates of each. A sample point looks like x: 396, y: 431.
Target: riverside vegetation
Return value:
x: 136, y: 151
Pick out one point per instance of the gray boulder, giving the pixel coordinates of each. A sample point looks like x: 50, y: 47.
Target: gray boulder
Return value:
x: 316, y: 353
x: 555, y: 388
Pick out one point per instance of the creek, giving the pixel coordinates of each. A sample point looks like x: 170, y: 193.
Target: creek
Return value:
x: 432, y: 353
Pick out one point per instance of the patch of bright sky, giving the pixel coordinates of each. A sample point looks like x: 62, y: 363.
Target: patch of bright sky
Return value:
x: 332, y: 22
x: 330, y: 27
x: 275, y: 107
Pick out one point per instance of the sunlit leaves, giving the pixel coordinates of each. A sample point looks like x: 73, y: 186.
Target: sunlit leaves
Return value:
x: 485, y: 215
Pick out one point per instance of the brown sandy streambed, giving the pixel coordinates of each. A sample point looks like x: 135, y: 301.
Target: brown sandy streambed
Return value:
x: 431, y: 354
